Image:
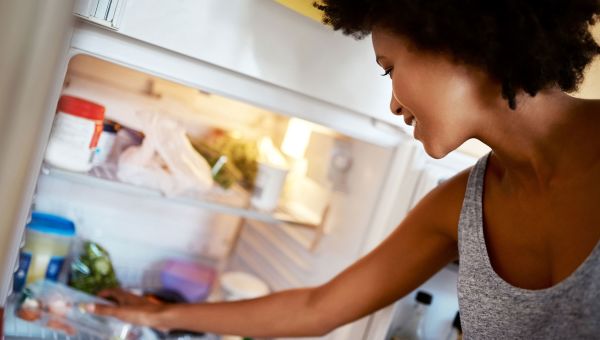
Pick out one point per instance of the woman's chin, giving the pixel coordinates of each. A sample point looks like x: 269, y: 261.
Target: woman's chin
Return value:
x: 436, y: 151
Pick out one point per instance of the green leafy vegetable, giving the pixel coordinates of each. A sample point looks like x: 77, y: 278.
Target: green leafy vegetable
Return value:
x: 232, y: 159
x: 93, y: 271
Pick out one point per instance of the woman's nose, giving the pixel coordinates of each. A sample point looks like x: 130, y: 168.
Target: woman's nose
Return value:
x: 395, y: 106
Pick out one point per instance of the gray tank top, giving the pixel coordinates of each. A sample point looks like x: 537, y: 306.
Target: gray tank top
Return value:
x: 491, y: 308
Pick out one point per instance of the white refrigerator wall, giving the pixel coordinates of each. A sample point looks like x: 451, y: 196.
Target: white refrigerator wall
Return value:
x: 283, y: 254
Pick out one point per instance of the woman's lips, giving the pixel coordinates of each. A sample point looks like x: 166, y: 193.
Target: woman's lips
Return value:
x: 409, y: 119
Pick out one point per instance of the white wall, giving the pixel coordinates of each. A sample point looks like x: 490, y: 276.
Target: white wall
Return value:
x: 591, y: 84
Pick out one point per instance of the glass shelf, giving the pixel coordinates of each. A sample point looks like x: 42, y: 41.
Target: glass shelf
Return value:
x: 18, y: 329
x: 234, y: 201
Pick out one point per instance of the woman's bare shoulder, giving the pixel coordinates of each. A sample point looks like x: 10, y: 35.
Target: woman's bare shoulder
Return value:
x: 443, y: 204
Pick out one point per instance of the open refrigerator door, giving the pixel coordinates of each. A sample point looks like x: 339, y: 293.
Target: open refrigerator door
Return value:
x: 34, y: 39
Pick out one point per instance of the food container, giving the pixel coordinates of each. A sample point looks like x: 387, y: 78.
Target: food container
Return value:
x: 191, y: 280
x: 268, y: 186
x: 62, y: 309
x: 77, y: 128
x: 47, y: 242
x: 242, y: 286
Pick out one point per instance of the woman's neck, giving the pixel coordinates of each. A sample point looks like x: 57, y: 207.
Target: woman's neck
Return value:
x: 545, y: 141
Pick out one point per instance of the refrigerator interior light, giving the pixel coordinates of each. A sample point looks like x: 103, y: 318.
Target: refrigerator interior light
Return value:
x: 296, y: 138
x: 269, y: 153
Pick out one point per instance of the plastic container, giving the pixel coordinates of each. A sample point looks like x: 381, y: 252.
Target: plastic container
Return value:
x: 242, y: 286
x: 77, y: 128
x: 62, y: 309
x: 269, y: 183
x: 192, y: 280
x: 47, y: 242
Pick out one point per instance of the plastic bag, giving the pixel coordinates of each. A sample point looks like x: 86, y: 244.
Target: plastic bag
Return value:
x: 92, y: 271
x: 60, y: 308
x: 166, y: 160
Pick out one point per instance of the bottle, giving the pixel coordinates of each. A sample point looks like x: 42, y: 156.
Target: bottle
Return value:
x: 414, y: 328
x: 456, y: 329
x: 106, y: 142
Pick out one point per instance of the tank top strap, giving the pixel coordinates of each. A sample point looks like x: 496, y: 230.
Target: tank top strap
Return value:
x: 474, y: 192
x: 471, y: 211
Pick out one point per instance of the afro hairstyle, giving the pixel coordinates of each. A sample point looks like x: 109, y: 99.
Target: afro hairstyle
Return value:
x: 525, y: 45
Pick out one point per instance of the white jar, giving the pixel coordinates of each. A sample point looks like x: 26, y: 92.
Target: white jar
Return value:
x: 75, y: 134
x: 268, y: 185
x: 241, y: 286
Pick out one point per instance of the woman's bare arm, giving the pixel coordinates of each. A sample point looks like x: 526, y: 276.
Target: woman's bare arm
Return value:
x: 422, y: 244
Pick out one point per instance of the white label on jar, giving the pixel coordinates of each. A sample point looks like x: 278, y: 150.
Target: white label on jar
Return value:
x: 72, y: 142
x: 73, y: 130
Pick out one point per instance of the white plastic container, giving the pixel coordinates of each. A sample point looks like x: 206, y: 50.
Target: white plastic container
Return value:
x: 75, y: 134
x: 268, y: 186
x: 242, y: 286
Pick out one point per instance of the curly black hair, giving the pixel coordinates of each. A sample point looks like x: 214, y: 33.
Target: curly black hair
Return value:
x: 525, y: 45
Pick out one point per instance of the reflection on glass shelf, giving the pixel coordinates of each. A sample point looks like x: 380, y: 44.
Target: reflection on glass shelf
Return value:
x: 234, y: 201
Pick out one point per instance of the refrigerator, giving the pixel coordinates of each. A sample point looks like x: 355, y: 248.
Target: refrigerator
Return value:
x: 250, y: 68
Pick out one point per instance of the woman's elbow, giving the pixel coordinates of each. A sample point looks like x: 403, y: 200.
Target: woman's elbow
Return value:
x: 324, y: 321
x: 324, y: 328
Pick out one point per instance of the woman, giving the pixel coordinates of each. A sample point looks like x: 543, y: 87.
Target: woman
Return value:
x: 524, y: 221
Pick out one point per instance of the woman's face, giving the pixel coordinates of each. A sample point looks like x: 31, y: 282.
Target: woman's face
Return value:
x: 439, y: 98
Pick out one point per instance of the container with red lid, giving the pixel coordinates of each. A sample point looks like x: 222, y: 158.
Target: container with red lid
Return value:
x: 75, y: 133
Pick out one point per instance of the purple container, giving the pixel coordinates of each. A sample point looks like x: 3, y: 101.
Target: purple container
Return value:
x: 192, y: 280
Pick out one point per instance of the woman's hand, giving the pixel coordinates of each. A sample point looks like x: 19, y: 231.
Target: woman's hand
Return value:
x: 130, y: 308
x: 142, y: 315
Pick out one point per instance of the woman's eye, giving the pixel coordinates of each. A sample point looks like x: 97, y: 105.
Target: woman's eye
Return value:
x: 388, y: 72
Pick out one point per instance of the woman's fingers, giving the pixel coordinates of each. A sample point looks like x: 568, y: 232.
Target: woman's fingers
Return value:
x: 122, y: 297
